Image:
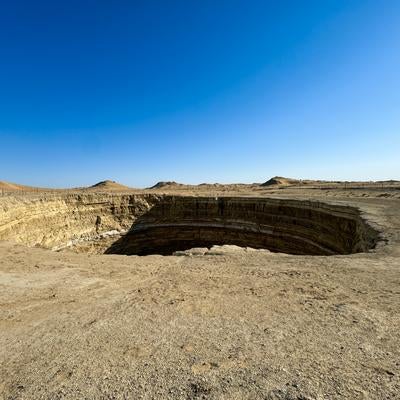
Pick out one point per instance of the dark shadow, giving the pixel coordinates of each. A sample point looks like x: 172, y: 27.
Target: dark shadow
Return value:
x: 288, y: 226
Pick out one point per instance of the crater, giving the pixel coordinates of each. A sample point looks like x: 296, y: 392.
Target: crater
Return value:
x: 160, y: 224
x: 293, y: 227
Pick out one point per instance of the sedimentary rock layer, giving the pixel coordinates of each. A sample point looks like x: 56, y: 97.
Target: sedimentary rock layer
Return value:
x: 55, y: 221
x: 159, y: 224
x: 289, y: 226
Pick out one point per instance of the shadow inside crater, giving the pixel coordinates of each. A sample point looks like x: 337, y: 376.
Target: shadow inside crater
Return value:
x: 287, y: 226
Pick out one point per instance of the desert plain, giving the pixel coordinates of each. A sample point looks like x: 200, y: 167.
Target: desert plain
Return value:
x: 288, y: 290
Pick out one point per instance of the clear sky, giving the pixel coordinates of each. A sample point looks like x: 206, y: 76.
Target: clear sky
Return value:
x: 198, y: 91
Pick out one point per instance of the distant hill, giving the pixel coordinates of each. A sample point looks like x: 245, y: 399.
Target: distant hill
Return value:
x: 14, y: 187
x: 166, y: 184
x: 280, y: 181
x: 9, y: 186
x: 109, y: 185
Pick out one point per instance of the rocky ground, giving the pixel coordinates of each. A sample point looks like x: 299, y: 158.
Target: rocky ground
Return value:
x: 225, y: 323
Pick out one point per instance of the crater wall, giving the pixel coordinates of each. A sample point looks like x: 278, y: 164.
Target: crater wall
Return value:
x: 289, y: 226
x: 159, y: 224
x: 57, y: 221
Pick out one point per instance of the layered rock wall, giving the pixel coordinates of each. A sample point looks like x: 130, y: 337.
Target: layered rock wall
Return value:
x: 56, y: 221
x: 290, y: 226
x: 158, y: 224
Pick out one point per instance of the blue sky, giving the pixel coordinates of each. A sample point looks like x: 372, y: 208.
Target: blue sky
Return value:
x: 198, y: 91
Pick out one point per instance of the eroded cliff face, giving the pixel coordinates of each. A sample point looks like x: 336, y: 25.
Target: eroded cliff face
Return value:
x: 57, y: 221
x: 289, y: 226
x: 157, y: 224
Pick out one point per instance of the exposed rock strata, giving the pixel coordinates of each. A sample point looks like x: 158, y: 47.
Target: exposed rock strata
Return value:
x: 55, y: 221
x: 164, y: 224
x: 289, y: 226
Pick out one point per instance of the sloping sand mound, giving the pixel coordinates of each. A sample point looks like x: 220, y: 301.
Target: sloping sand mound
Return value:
x: 11, y: 187
x: 8, y: 186
x: 281, y: 181
x: 166, y: 185
x: 109, y: 185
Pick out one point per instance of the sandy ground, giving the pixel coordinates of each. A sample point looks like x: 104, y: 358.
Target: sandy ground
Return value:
x: 229, y: 324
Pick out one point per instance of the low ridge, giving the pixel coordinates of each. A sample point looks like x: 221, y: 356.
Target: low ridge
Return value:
x: 164, y: 184
x: 281, y: 181
x: 12, y: 187
x: 109, y: 185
